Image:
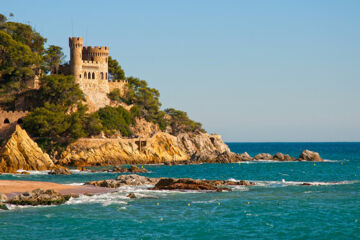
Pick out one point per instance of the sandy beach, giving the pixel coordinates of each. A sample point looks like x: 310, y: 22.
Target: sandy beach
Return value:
x: 14, y: 187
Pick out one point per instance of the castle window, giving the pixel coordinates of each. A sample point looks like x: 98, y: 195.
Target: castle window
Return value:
x: 92, y: 58
x: 106, y: 76
x: 6, y: 121
x: 93, y: 76
x: 80, y: 75
x: 102, y: 75
x: 85, y: 75
x: 20, y: 121
x: 89, y: 75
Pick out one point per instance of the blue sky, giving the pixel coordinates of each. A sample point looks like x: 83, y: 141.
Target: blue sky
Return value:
x: 248, y: 70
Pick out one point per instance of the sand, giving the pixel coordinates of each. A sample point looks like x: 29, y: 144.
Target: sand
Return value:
x: 13, y: 187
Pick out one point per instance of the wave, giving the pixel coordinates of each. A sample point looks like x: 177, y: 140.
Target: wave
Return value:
x: 284, y: 183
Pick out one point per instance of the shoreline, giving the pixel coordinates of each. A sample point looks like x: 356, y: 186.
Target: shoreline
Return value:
x: 12, y: 188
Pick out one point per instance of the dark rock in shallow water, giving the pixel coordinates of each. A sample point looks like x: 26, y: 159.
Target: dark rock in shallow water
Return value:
x: 132, y: 169
x: 60, y: 170
x: 124, y: 180
x: 307, y: 155
x: 187, y: 184
x: 39, y: 197
x: 245, y: 157
x: 131, y: 195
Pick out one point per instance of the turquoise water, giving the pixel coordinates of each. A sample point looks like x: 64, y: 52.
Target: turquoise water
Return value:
x: 276, y: 208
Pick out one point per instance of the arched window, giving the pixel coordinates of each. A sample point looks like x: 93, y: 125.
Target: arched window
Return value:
x: 85, y: 75
x: 106, y: 76
x: 93, y: 77
x: 6, y: 121
x: 92, y: 58
x: 102, y: 75
x: 20, y: 121
x: 80, y: 75
x: 105, y: 59
x: 89, y: 75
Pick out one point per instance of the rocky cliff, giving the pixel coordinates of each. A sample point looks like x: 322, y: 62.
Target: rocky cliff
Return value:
x: 160, y: 148
x: 21, y: 152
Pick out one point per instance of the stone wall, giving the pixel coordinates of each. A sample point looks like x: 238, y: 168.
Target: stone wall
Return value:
x: 8, y: 120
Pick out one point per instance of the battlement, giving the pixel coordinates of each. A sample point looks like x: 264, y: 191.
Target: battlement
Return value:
x: 9, y: 113
x: 10, y: 118
x: 90, y: 62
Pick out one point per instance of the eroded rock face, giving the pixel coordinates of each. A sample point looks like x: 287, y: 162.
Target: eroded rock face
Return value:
x: 39, y: 197
x: 307, y: 155
x: 124, y: 180
x: 160, y: 148
x: 21, y: 152
x: 245, y: 157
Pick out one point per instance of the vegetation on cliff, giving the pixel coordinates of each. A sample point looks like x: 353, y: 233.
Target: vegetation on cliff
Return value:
x: 57, y: 114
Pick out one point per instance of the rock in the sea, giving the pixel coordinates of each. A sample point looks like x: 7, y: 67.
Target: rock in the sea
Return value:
x: 187, y: 184
x: 131, y: 195
x: 82, y: 169
x: 245, y: 157
x: 279, y: 156
x: 60, y: 170
x: 307, y: 155
x: 21, y: 152
x: 124, y: 180
x: 132, y: 169
x: 39, y: 197
x: 3, y: 206
x: 263, y: 156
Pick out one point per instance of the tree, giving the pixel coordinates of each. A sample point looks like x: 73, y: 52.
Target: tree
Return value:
x: 59, y: 89
x: 115, y: 70
x: 53, y: 57
x: 115, y: 119
x: 17, y: 64
x: 180, y: 122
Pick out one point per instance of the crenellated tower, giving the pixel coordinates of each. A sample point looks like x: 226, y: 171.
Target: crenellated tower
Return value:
x: 76, y: 48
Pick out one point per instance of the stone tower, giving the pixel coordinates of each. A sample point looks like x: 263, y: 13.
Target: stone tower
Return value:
x: 76, y: 48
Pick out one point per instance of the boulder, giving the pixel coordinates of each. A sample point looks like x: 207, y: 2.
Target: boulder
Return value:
x: 3, y: 197
x: 39, y: 197
x: 60, y: 170
x: 132, y: 169
x: 131, y: 195
x: 245, y: 157
x: 187, y: 184
x: 110, y: 183
x: 21, y: 152
x: 288, y: 158
x: 136, y: 180
x: 307, y: 155
x: 279, y: 156
x: 263, y: 156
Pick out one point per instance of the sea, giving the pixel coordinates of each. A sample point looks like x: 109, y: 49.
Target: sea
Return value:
x: 277, y: 207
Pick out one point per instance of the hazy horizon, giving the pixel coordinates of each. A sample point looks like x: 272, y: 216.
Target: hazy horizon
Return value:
x: 251, y: 71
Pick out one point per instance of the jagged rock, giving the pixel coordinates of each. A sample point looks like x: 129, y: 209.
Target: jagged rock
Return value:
x: 3, y: 206
x: 124, y: 180
x: 21, y: 152
x: 307, y: 155
x: 3, y: 197
x: 279, y: 156
x: 263, y: 156
x: 25, y: 173
x: 245, y: 157
x: 60, y: 170
x: 132, y: 169
x: 136, y: 180
x: 187, y: 184
x: 288, y: 158
x: 131, y: 195
x: 39, y: 197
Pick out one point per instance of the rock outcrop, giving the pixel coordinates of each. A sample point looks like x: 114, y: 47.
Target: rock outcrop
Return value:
x: 187, y: 184
x: 21, y: 152
x: 39, y: 197
x: 307, y: 155
x: 132, y: 169
x: 60, y: 170
x: 169, y: 183
x: 160, y: 148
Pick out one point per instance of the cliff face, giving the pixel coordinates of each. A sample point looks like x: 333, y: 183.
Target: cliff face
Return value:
x: 21, y: 152
x: 160, y: 148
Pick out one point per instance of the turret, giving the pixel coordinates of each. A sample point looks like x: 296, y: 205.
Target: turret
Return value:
x: 76, y: 46
x: 98, y: 54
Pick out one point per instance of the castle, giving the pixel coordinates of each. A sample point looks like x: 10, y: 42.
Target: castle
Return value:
x: 89, y: 66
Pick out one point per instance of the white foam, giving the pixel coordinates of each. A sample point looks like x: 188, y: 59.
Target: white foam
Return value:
x: 284, y: 183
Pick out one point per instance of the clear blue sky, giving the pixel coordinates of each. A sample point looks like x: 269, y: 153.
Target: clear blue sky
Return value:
x: 248, y: 70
